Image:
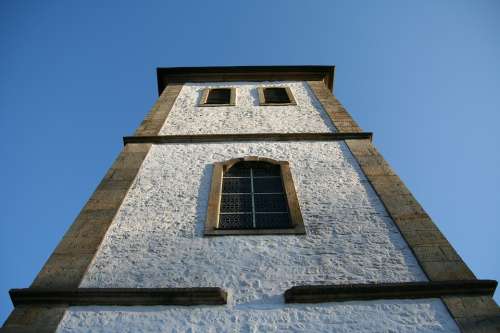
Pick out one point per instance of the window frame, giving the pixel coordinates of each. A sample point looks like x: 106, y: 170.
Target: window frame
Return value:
x: 262, y: 98
x: 206, y: 91
x: 214, y: 201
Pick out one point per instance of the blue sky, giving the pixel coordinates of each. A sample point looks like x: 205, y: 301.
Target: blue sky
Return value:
x: 76, y: 76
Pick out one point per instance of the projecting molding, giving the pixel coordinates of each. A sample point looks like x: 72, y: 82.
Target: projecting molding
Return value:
x: 119, y: 296
x: 400, y: 290
x: 248, y: 137
x: 170, y: 75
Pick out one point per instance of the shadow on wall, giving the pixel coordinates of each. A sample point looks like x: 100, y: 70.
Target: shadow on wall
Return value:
x: 394, y: 234
x: 202, y: 200
x: 254, y: 94
x: 322, y: 113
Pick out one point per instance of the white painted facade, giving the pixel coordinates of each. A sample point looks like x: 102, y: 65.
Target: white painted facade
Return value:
x: 401, y: 316
x: 186, y: 117
x: 156, y: 239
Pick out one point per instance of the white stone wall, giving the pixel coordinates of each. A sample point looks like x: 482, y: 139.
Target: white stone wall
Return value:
x: 401, y: 316
x: 186, y: 117
x: 156, y: 240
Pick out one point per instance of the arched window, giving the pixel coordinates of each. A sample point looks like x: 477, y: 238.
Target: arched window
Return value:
x: 253, y: 195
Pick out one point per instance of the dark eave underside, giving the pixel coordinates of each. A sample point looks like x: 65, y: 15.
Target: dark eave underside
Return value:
x: 245, y: 73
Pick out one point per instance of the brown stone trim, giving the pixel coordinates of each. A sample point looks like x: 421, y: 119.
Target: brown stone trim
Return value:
x: 293, y: 200
x: 119, y: 296
x: 212, y: 219
x: 399, y: 290
x: 474, y: 313
x: 70, y: 260
x: 262, y: 98
x: 247, y: 137
x: 214, y: 199
x: 34, y: 318
x: 323, y: 74
x: 337, y: 113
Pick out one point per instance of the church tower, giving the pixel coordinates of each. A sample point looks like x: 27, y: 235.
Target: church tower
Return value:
x: 249, y: 200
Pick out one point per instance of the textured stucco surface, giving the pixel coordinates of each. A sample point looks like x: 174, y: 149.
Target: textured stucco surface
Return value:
x: 186, y: 117
x: 156, y: 238
x: 423, y: 316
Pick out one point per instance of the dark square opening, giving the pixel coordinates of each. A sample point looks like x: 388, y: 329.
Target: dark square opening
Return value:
x: 276, y: 95
x: 219, y: 96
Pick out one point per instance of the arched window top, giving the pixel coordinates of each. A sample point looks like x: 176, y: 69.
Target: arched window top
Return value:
x: 257, y: 168
x: 253, y: 195
x: 229, y: 163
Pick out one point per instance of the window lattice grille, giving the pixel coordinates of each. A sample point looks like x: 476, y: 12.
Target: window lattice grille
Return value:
x: 253, y: 197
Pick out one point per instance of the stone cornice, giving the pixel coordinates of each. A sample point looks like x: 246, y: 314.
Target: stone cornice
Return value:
x: 167, y: 76
x: 119, y: 296
x: 248, y: 137
x: 400, y: 290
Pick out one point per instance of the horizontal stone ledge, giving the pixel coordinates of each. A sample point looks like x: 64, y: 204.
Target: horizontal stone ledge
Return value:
x: 400, y: 290
x: 119, y: 296
x: 248, y: 137
x: 296, y: 231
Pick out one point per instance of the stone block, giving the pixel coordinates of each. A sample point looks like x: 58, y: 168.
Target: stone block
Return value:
x: 429, y: 253
x: 480, y: 306
x: 455, y: 306
x: 40, y: 319
x: 86, y: 232
x: 401, y: 205
x: 63, y: 271
x: 416, y: 237
x: 446, y: 270
x: 104, y: 199
x: 137, y: 148
x: 474, y: 313
x: 449, y: 252
x: 410, y: 224
x: 121, y: 174
x: 130, y: 160
x: 114, y: 185
x: 85, y: 241
x: 479, y: 324
x: 374, y: 165
x: 390, y: 185
x: 361, y: 148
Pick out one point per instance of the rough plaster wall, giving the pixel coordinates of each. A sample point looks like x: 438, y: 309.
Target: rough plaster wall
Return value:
x: 156, y: 238
x: 400, y: 316
x: 156, y: 241
x: 186, y: 117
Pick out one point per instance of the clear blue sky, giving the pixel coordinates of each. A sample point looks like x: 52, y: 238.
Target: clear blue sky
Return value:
x: 76, y: 76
